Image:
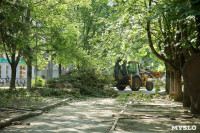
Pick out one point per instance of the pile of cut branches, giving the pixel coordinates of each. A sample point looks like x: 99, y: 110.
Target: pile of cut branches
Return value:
x: 88, y: 81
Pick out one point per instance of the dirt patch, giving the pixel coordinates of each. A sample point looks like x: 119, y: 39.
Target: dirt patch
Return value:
x: 8, y: 113
x: 159, y: 114
x: 16, y: 106
x: 156, y: 118
x: 150, y: 124
x: 28, y: 103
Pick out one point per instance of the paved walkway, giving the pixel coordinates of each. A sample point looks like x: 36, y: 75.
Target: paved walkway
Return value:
x: 99, y: 115
x: 92, y: 115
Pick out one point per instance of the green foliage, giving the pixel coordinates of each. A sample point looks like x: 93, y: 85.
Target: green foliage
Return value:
x: 21, y: 97
x: 95, y: 33
x: 9, y: 97
x: 40, y: 82
x: 52, y: 92
x: 88, y: 81
x: 157, y: 88
x: 134, y: 97
x: 52, y: 83
x: 88, y: 77
x: 158, y: 83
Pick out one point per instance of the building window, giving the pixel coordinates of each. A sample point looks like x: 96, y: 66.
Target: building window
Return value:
x: 22, y: 72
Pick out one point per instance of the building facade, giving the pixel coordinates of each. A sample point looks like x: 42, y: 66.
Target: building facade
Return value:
x: 5, y: 72
x: 46, y: 73
x: 21, y: 72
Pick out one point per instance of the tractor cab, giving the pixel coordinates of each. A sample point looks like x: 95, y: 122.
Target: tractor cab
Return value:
x: 133, y: 67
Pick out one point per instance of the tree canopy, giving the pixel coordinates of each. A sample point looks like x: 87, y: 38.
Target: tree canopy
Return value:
x: 162, y: 34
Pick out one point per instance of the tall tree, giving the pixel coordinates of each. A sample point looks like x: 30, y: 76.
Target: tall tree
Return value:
x: 176, y: 34
x: 170, y: 37
x: 13, y: 28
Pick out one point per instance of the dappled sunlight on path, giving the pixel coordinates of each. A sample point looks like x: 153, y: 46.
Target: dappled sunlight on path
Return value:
x: 92, y: 115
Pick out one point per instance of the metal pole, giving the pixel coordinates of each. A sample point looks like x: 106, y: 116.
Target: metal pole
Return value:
x: 51, y: 66
x: 36, y: 56
x: 51, y: 62
x: 48, y: 70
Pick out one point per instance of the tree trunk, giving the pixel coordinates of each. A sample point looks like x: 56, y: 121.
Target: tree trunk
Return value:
x: 51, y: 67
x: 13, y: 76
x: 186, y: 97
x: 29, y: 74
x: 171, y: 82
x: 178, y: 95
x: 197, y: 21
x: 167, y: 82
x: 60, y: 69
x: 13, y: 63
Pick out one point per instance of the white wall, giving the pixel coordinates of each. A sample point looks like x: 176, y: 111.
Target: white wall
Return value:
x: 40, y: 73
x: 55, y: 72
x: 3, y: 70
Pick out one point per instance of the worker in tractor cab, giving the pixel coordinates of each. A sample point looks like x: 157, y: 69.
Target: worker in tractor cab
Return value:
x: 124, y: 70
x: 117, y: 69
x: 131, y: 67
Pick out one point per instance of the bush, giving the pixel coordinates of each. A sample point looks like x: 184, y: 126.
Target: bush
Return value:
x: 134, y: 97
x: 89, y: 81
x: 47, y: 92
x: 52, y: 83
x: 40, y: 82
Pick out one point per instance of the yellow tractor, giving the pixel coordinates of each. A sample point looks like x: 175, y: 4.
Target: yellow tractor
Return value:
x: 131, y: 75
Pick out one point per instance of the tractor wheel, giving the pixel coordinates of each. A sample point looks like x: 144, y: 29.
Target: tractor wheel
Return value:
x: 136, y: 84
x: 149, y: 85
x: 121, y: 88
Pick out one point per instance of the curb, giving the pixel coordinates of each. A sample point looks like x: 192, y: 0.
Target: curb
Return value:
x: 8, y: 121
x: 45, y: 108
x: 114, y: 125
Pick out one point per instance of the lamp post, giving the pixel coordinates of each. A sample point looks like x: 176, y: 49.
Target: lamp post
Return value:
x: 36, y: 56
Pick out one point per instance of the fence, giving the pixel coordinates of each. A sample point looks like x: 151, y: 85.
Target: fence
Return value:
x: 19, y: 82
